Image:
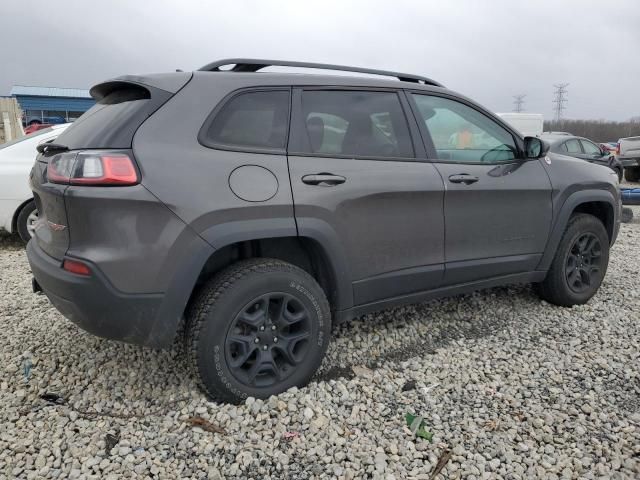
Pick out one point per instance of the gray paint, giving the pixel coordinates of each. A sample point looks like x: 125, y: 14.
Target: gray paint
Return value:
x: 486, y: 220
x: 395, y: 231
x: 253, y: 183
x: 387, y: 214
x: 52, y: 227
x: 135, y: 239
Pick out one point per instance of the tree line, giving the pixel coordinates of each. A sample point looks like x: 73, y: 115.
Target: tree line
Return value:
x: 597, y: 130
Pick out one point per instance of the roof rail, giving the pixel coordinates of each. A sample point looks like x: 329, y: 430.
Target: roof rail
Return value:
x: 253, y: 65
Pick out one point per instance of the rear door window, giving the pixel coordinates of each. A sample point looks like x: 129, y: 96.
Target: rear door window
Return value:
x: 572, y: 146
x: 253, y: 120
x: 355, y: 124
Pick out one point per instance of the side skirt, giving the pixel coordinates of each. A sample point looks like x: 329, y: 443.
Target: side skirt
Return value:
x: 419, y: 297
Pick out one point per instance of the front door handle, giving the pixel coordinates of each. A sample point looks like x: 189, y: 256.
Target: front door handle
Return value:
x: 323, y: 179
x: 463, y: 178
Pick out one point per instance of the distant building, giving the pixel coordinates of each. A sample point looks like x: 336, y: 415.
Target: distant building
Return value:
x: 51, y: 104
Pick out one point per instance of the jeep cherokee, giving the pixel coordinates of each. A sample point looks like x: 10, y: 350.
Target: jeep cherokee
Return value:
x: 246, y: 212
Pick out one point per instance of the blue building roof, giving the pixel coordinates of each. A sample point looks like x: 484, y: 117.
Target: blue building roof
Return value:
x: 52, y: 99
x: 22, y: 90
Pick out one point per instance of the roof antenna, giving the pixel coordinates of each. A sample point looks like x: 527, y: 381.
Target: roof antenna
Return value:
x: 179, y: 70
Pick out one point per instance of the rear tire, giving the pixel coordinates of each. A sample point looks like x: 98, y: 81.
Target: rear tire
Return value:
x: 258, y: 328
x: 580, y: 263
x: 25, y: 223
x: 632, y: 174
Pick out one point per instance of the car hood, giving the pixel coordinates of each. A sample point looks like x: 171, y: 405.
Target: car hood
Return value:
x: 577, y: 174
x: 577, y: 162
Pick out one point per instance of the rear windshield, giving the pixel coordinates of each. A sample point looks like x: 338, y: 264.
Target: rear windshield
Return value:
x: 26, y: 137
x: 114, y: 119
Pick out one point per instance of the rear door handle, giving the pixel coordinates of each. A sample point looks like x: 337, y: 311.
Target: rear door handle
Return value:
x: 463, y: 178
x: 323, y: 179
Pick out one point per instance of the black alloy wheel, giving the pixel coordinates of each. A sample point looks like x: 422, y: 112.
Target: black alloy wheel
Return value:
x: 256, y: 329
x: 583, y: 262
x: 268, y: 339
x: 579, y: 264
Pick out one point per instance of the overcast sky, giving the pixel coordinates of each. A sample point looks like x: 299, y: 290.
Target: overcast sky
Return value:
x: 488, y: 50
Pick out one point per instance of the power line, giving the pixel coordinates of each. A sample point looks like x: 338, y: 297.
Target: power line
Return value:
x: 518, y: 101
x: 560, y: 99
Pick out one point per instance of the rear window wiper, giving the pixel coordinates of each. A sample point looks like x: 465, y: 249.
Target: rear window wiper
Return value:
x: 51, y: 147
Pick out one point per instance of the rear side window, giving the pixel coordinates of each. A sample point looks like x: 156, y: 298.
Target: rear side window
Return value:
x: 254, y: 120
x: 572, y: 146
x: 114, y: 119
x: 355, y: 123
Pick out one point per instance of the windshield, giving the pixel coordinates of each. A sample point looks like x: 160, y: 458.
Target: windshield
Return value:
x: 26, y: 137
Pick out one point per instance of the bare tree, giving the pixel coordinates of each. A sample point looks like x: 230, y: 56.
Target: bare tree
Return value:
x: 597, y: 130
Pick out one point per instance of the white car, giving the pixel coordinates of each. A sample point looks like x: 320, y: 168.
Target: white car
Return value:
x: 17, y: 208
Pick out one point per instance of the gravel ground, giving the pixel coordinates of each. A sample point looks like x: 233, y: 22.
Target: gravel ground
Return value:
x: 510, y: 387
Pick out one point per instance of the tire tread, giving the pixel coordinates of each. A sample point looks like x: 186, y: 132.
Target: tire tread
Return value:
x: 206, y: 298
x: 21, y: 220
x: 552, y: 288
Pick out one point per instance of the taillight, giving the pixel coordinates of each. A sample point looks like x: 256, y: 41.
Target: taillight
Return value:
x: 77, y: 267
x: 93, y: 168
x: 617, y: 149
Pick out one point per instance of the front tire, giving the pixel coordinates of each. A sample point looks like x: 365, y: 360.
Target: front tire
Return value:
x: 580, y: 263
x: 25, y: 223
x: 258, y: 328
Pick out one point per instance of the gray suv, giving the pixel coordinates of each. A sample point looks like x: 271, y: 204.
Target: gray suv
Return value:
x: 246, y: 212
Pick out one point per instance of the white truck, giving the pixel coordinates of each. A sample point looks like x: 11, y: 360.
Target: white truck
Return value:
x: 529, y: 124
x: 628, y: 153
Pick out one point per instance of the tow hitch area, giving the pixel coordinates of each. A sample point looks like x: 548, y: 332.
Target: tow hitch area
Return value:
x: 35, y: 285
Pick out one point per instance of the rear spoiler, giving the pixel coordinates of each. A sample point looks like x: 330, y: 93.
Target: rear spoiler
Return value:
x: 169, y: 82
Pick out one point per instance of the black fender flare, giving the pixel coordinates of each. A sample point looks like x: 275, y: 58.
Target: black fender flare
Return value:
x: 562, y: 219
x: 328, y: 240
x: 183, y: 265
x: 314, y: 229
x: 196, y: 249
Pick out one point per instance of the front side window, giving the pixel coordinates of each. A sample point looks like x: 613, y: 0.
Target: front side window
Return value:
x: 572, y: 146
x: 252, y: 119
x: 463, y: 134
x: 355, y: 123
x: 590, y: 148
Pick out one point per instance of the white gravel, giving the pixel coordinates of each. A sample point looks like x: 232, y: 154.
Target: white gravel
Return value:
x: 511, y: 386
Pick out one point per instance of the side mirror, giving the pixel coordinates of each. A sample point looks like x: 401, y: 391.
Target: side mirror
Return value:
x: 534, y: 147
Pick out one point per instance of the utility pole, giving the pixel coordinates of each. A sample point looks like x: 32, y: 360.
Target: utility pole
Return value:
x: 560, y: 99
x: 518, y: 101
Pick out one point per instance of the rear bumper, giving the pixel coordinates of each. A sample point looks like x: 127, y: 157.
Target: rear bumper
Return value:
x: 629, y: 162
x: 94, y: 304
